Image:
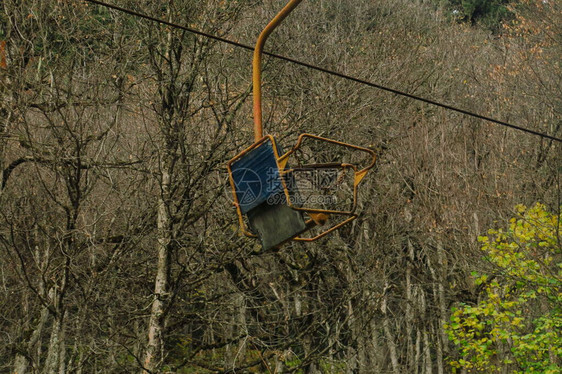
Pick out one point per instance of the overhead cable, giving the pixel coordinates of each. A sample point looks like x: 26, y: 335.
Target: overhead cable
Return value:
x: 326, y: 71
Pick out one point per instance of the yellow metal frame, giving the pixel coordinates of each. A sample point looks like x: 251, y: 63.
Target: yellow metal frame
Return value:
x: 256, y: 64
x: 317, y: 216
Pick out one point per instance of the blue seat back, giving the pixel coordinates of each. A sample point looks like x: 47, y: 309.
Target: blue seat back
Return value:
x: 256, y: 177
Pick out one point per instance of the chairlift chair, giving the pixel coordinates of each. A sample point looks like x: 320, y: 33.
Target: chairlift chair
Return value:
x: 264, y: 188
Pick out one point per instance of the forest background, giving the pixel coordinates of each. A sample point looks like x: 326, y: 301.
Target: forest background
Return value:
x: 120, y: 250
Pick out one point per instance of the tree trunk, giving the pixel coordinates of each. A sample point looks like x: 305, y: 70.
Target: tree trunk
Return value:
x: 52, y: 363
x: 376, y: 352
x: 389, y: 337
x: 428, y: 367
x: 21, y: 362
x: 444, y: 339
x: 411, y: 363
x: 438, y: 274
x: 5, y: 103
x: 153, y: 355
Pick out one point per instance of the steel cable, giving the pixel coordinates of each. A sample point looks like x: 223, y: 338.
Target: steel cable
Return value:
x: 327, y: 71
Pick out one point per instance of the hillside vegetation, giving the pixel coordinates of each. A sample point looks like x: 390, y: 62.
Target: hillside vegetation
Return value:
x: 120, y: 250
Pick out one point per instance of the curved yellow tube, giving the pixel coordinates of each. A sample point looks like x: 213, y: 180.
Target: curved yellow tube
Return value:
x: 256, y: 77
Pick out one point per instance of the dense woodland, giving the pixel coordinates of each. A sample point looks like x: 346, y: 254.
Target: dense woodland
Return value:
x: 120, y: 250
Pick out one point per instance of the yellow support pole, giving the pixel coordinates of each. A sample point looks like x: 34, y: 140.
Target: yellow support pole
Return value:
x: 258, y: 127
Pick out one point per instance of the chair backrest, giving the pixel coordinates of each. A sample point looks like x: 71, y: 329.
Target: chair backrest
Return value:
x: 260, y: 194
